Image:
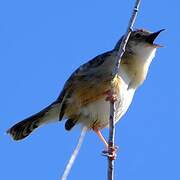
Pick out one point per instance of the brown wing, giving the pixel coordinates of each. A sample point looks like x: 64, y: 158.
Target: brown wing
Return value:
x: 87, y: 84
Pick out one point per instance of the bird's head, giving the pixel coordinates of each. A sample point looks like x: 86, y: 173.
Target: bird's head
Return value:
x: 141, y: 43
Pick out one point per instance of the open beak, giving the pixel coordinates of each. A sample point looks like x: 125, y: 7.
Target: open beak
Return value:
x: 150, y: 39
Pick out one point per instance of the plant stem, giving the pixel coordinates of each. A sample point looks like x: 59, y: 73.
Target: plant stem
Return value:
x: 114, y: 73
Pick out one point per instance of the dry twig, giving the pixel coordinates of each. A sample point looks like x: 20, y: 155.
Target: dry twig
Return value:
x: 112, y: 101
x: 74, y: 155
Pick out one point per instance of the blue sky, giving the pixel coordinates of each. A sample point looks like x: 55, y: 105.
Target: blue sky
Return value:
x: 41, y: 44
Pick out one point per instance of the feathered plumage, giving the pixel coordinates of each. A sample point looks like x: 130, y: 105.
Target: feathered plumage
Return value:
x: 83, y: 98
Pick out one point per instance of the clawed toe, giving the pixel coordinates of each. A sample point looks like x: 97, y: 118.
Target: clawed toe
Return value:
x: 110, y: 152
x: 112, y: 97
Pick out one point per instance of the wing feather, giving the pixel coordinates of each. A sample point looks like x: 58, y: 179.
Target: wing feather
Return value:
x: 88, y: 83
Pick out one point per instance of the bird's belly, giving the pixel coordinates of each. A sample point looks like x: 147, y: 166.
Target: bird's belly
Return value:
x: 97, y: 114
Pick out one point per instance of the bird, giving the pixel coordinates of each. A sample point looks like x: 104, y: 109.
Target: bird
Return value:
x: 83, y: 99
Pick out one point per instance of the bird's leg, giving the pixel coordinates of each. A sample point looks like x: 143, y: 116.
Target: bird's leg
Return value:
x: 109, y: 151
x: 98, y: 132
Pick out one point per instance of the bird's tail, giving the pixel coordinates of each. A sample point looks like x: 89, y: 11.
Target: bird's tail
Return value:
x: 24, y: 128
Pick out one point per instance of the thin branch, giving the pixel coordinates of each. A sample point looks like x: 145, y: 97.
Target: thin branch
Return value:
x: 74, y: 154
x: 112, y: 102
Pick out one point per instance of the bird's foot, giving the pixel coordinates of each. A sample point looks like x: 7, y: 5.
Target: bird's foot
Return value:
x: 112, y: 97
x: 111, y: 152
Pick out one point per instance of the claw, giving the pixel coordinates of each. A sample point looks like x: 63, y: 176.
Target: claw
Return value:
x: 111, y: 152
x: 111, y: 96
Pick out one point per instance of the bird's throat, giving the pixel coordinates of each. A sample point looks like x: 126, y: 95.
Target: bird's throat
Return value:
x: 136, y: 67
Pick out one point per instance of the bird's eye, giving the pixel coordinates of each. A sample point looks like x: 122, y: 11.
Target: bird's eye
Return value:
x: 137, y: 35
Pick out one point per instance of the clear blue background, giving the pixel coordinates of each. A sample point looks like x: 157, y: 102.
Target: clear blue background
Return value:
x: 41, y: 44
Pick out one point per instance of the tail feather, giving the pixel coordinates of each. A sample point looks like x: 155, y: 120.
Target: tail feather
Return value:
x: 24, y: 128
